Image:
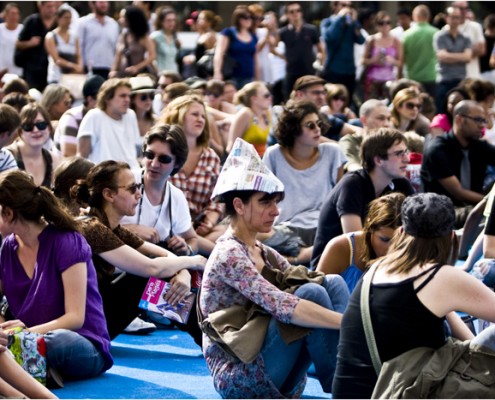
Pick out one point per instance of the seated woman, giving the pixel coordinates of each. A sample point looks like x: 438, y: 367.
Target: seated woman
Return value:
x: 235, y: 275
x: 123, y: 260
x: 163, y: 214
x: 442, y: 123
x: 29, y: 151
x: 49, y: 279
x: 304, y: 165
x: 406, y: 110
x: 142, y: 94
x: 338, y: 102
x: 413, y: 291
x: 349, y: 254
x: 253, y: 121
x: 198, y: 175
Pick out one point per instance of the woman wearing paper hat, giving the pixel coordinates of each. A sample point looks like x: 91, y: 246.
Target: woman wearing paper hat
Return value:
x: 233, y: 277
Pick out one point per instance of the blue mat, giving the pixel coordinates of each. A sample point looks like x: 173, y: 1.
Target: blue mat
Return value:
x: 165, y: 364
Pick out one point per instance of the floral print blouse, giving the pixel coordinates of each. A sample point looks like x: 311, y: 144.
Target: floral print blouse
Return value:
x: 231, y: 278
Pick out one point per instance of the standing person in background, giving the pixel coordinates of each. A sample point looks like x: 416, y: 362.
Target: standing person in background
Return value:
x: 142, y: 94
x: 487, y: 71
x: 98, y: 34
x: 62, y: 46
x: 474, y: 32
x: 302, y: 46
x: 419, y: 54
x: 30, y: 44
x: 239, y: 43
x: 340, y: 31
x: 404, y: 20
x: 135, y: 50
x: 9, y: 31
x: 165, y: 40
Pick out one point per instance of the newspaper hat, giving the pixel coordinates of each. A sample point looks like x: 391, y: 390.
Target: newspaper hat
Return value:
x: 244, y: 170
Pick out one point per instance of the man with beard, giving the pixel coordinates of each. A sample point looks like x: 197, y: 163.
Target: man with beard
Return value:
x: 98, y: 35
x: 455, y: 164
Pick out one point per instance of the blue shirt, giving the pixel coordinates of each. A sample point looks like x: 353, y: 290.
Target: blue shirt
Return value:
x: 241, y: 52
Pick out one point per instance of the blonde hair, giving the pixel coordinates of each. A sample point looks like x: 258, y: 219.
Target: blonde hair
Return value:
x: 243, y: 96
x: 176, y: 110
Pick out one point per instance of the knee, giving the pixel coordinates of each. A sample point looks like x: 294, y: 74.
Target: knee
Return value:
x: 313, y: 292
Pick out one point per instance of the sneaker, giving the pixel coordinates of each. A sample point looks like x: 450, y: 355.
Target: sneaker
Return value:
x: 139, y: 327
x: 159, y: 320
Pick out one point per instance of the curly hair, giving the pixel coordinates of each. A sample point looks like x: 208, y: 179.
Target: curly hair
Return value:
x: 289, y: 124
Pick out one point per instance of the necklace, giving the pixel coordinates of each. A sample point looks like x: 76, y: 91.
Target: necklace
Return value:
x: 140, y: 207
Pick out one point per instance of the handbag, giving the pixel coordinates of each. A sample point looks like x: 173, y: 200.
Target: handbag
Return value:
x: 71, y: 57
x: 205, y: 64
x: 455, y: 370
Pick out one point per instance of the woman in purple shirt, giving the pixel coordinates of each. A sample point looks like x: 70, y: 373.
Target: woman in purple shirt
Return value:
x: 48, y: 278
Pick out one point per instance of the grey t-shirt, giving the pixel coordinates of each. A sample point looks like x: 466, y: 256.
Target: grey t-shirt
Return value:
x: 306, y: 189
x: 450, y: 71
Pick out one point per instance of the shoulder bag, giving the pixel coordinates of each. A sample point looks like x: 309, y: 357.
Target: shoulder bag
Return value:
x: 455, y: 370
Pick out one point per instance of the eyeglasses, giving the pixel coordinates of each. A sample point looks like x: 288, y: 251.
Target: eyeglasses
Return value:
x: 147, y: 96
x: 478, y: 120
x: 294, y: 11
x: 162, y: 159
x: 412, y: 106
x: 246, y: 17
x: 132, y: 189
x: 312, y: 125
x: 318, y: 92
x: 382, y: 23
x: 216, y: 95
x: 339, y: 98
x: 399, y: 153
x: 41, y: 125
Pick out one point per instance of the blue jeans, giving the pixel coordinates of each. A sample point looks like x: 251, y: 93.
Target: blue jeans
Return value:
x: 286, y: 364
x: 489, y: 278
x: 72, y: 355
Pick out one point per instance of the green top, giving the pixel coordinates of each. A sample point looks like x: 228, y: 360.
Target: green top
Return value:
x: 419, y: 54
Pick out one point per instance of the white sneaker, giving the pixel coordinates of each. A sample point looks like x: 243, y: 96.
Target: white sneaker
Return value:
x: 139, y: 327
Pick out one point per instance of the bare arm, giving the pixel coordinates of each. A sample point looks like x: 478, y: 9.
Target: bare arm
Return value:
x: 489, y: 246
x: 451, y: 58
x: 459, y: 328
x: 221, y: 48
x: 454, y: 187
x: 336, y: 256
x: 312, y: 315
x: 84, y: 146
x: 239, y: 125
x: 28, y: 44
x: 351, y: 223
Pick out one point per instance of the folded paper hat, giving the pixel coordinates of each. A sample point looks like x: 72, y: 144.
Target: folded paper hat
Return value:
x: 244, y: 170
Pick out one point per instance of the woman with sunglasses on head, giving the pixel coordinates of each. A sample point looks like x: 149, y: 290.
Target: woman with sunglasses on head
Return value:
x: 49, y: 280
x: 199, y: 173
x: 304, y: 165
x: 253, y: 121
x: 237, y: 275
x: 239, y: 43
x: 28, y: 149
x: 349, y: 254
x: 124, y: 261
x: 406, y: 109
x: 382, y: 58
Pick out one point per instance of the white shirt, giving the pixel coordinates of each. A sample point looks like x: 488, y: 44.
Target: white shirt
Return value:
x: 7, y: 44
x: 111, y: 139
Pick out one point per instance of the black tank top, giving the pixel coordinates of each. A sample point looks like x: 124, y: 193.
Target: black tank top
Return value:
x: 47, y: 158
x: 400, y: 323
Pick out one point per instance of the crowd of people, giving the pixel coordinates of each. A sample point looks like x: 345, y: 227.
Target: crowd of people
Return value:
x: 277, y: 151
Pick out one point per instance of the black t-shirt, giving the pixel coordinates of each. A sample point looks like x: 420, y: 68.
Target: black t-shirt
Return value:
x: 351, y: 195
x: 490, y: 224
x: 442, y: 159
x: 36, y: 56
x: 299, y: 49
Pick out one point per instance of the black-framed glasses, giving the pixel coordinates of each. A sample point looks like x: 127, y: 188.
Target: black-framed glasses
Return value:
x: 478, y: 120
x: 382, y: 23
x: 216, y: 95
x: 246, y: 17
x: 41, y: 126
x: 162, y: 159
x: 399, y: 153
x: 412, y: 106
x: 132, y: 189
x: 312, y: 125
x: 147, y: 96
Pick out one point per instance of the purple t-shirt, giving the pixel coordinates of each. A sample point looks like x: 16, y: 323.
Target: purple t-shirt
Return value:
x: 41, y: 299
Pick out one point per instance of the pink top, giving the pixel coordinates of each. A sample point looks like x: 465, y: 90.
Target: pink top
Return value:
x: 382, y: 72
x: 441, y: 121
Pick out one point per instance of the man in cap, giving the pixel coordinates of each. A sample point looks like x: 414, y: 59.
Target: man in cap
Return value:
x: 68, y: 125
x: 384, y: 156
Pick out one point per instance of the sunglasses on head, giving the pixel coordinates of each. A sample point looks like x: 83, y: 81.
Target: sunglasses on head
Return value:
x: 147, y: 96
x: 132, y: 189
x: 41, y: 125
x: 313, y: 125
x: 382, y: 23
x: 162, y: 159
x: 412, y: 106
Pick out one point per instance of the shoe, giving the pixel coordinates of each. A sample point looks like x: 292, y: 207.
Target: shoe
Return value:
x: 159, y: 320
x: 53, y: 379
x: 139, y: 327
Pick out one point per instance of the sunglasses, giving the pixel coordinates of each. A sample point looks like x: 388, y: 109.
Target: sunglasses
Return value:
x: 132, y: 189
x: 313, y: 125
x: 216, y: 95
x: 412, y: 106
x: 41, y: 126
x: 147, y: 96
x: 341, y: 98
x: 382, y: 23
x: 162, y: 159
x: 246, y: 17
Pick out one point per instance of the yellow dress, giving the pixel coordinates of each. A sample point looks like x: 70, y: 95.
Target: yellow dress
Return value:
x: 258, y: 136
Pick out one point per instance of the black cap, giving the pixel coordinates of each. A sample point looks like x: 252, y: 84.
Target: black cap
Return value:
x: 428, y: 215
x: 92, y: 85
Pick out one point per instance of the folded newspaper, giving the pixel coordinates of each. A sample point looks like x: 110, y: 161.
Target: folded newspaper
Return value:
x: 153, y: 300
